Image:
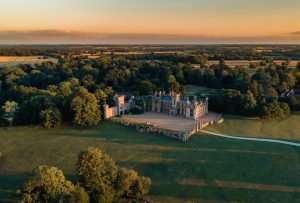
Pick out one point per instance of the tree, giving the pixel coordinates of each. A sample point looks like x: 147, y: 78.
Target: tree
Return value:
x: 129, y: 185
x: 97, y: 172
x: 271, y: 111
x: 48, y: 65
x: 146, y: 87
x: 64, y: 89
x: 79, y: 195
x: 293, y: 103
x: 248, y: 104
x: 30, y: 110
x: 105, y: 181
x: 285, y: 107
x: 270, y: 94
x: 74, y: 82
x: 100, y: 96
x: 85, y: 108
x: 46, y: 184
x: 10, y: 109
x: 10, y: 75
x: 88, y: 81
x: 173, y: 85
x: 51, y: 118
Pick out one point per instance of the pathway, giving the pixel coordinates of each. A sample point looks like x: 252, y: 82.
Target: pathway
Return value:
x: 253, y: 139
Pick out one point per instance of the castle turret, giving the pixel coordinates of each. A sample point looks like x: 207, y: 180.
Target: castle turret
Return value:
x: 120, y: 102
x: 106, y: 112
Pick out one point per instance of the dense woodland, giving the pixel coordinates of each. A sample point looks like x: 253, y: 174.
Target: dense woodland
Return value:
x: 75, y: 89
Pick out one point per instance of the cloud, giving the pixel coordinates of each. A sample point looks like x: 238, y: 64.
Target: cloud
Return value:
x: 75, y: 37
x: 295, y: 33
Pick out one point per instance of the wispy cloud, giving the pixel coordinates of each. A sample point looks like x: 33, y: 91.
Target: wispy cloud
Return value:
x: 295, y: 33
x: 75, y: 37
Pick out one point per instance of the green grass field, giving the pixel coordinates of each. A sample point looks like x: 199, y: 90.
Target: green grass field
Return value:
x: 206, y: 168
x: 287, y: 128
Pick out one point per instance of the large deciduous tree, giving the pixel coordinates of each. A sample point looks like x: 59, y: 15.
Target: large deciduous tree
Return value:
x: 48, y: 184
x: 85, y: 108
x: 105, y: 182
x: 97, y: 172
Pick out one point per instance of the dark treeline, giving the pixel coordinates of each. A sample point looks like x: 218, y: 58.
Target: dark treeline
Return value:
x: 75, y: 89
x: 50, y: 51
x: 161, y: 52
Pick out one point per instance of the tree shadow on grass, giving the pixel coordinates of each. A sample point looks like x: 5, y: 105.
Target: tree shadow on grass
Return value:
x: 221, y: 193
x: 119, y: 134
x: 230, y: 166
x: 9, y: 184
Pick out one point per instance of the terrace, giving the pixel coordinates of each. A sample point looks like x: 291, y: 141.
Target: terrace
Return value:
x: 173, y: 125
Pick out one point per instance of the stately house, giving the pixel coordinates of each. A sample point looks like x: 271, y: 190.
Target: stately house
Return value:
x: 173, y: 104
x: 176, y: 105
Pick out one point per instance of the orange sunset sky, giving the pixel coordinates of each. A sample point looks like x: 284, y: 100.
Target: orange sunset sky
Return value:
x: 155, y: 21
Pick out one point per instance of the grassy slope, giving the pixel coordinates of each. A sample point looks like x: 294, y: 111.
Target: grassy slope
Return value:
x: 287, y: 128
x: 204, y: 168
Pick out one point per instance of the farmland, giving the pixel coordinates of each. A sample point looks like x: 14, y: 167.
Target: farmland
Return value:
x: 246, y: 63
x: 16, y: 60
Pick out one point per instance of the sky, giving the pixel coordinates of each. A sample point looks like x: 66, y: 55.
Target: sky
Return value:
x: 151, y: 21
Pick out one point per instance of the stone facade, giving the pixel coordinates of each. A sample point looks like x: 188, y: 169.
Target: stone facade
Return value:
x: 176, y: 105
x: 120, y: 108
x: 172, y: 104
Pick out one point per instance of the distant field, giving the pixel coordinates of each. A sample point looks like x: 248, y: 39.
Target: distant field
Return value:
x: 144, y: 52
x: 287, y: 128
x: 16, y: 60
x: 246, y: 63
x: 125, y: 53
x: 204, y: 169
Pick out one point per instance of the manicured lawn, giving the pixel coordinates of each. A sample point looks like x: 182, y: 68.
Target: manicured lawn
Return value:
x: 286, y: 128
x: 202, y: 169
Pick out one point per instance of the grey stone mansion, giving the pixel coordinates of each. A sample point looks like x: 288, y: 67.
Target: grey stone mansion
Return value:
x: 172, y: 104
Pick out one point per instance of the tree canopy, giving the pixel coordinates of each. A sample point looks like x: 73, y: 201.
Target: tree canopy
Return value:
x: 100, y: 180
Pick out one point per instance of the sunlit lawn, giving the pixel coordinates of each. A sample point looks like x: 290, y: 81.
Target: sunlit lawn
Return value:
x: 286, y: 128
x: 204, y: 168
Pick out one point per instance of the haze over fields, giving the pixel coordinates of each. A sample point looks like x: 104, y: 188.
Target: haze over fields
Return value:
x: 156, y: 21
